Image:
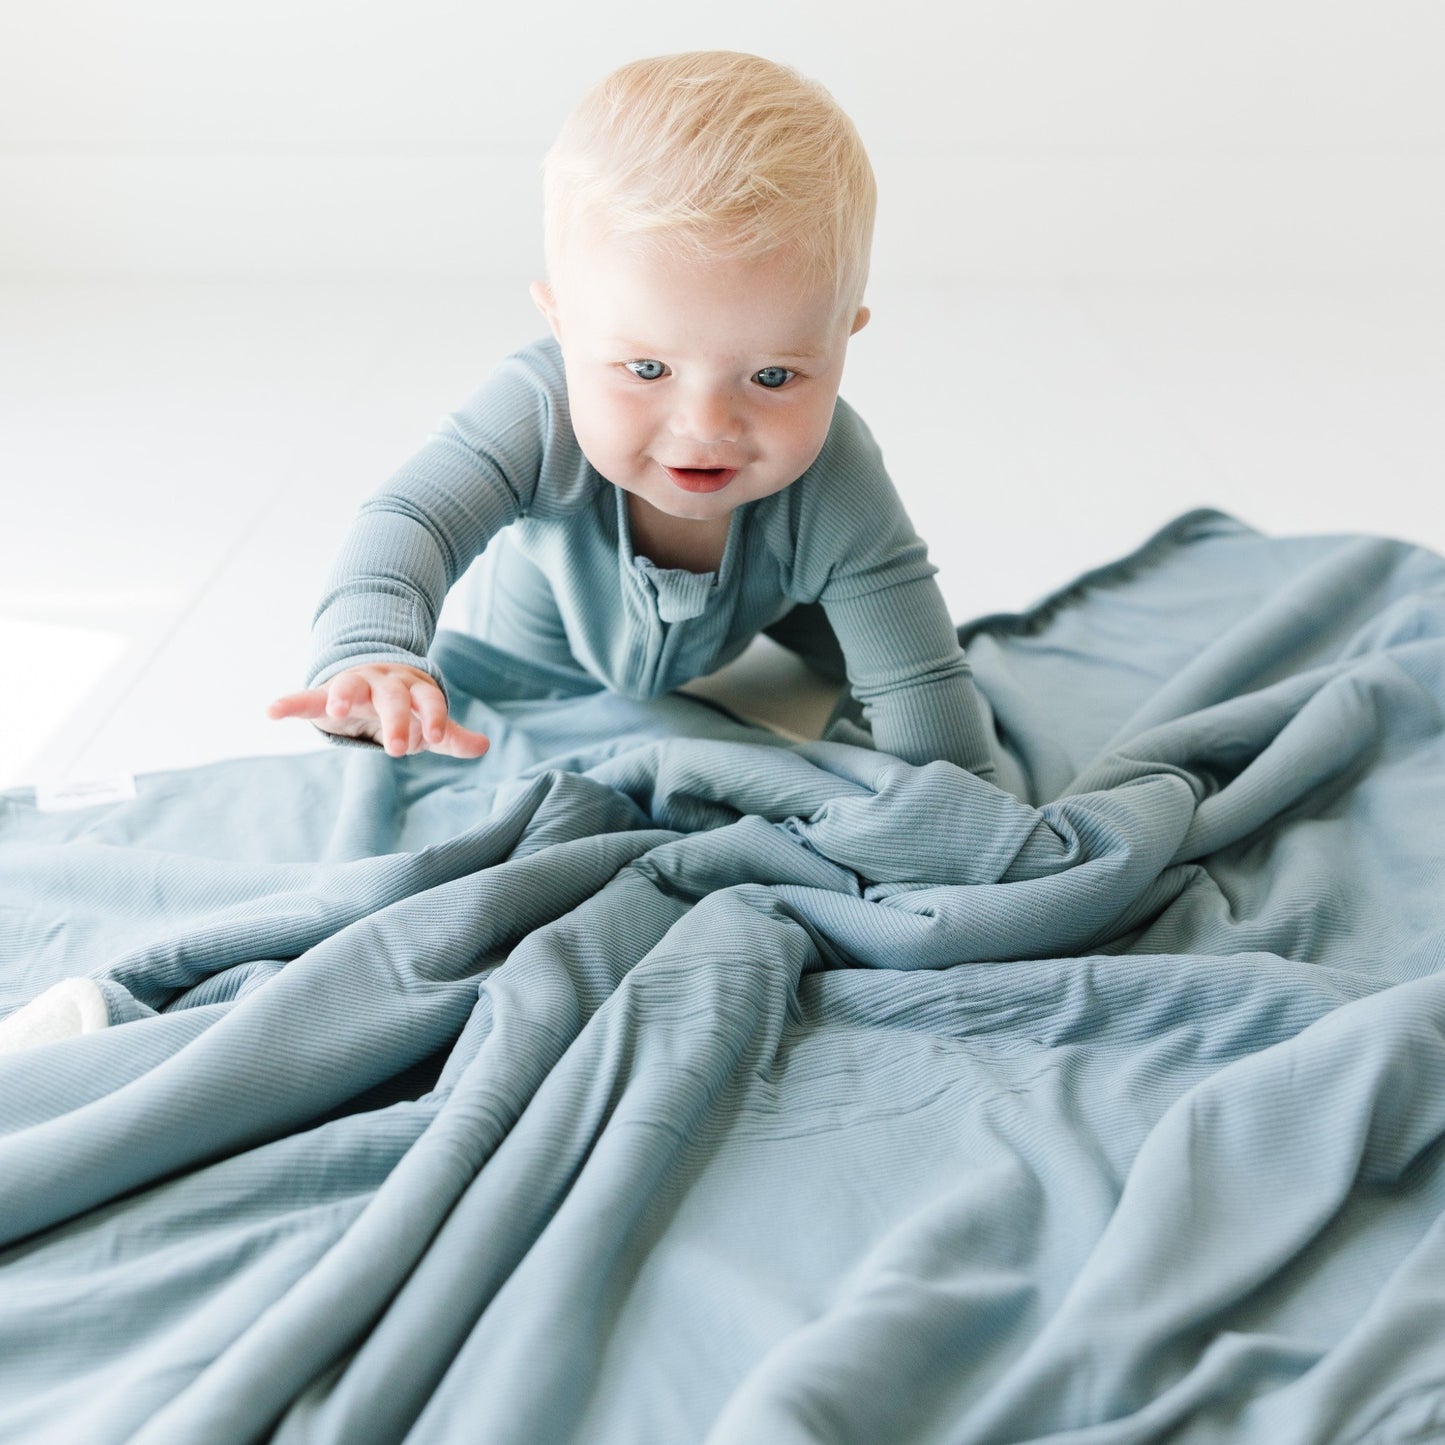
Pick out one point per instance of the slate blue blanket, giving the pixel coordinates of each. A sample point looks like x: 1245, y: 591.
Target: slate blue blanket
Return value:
x: 659, y: 1080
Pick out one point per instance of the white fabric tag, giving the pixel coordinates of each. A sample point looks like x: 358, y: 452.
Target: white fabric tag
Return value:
x: 61, y: 797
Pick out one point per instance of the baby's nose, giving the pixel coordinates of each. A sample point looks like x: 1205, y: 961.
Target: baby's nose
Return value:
x: 708, y: 417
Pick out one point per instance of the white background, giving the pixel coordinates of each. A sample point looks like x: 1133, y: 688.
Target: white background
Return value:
x: 1131, y: 258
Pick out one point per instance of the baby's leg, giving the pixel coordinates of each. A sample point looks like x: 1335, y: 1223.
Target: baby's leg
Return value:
x: 509, y: 603
x: 500, y: 635
x: 806, y: 631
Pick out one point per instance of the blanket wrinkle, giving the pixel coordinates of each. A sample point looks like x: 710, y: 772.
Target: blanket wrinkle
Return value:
x: 658, y: 1078
x: 283, y: 912
x: 591, y: 1075
x: 126, y: 1138
x: 708, y: 783
x: 1265, y: 1217
x: 751, y: 850
x: 1126, y: 840
x: 913, y: 1283
x: 1347, y: 582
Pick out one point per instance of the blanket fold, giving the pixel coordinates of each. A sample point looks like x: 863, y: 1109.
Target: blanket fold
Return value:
x: 657, y: 1078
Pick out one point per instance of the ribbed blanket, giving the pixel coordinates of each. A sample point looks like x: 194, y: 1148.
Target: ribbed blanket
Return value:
x: 655, y: 1079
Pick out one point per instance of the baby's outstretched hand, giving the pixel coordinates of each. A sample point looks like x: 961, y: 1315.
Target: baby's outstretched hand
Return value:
x: 397, y: 706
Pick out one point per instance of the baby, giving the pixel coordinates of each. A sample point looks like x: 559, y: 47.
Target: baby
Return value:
x: 672, y: 471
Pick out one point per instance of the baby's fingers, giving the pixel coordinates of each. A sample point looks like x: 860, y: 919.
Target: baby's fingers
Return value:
x: 348, y: 690
x: 441, y: 733
x: 308, y: 704
x: 431, y: 708
x: 460, y: 742
x: 391, y: 697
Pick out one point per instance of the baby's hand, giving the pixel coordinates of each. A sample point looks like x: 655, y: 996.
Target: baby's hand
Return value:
x: 397, y: 706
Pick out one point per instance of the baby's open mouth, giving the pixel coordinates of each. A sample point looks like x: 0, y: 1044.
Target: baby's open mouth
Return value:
x: 701, y: 479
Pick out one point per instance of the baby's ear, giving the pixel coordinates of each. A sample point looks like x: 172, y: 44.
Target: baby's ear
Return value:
x: 860, y: 320
x: 546, y: 301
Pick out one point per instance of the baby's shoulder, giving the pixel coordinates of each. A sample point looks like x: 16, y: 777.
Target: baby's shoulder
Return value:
x: 847, y: 480
x: 528, y: 385
x: 850, y: 442
x: 543, y: 359
x: 517, y: 423
x: 533, y: 377
x: 842, y: 514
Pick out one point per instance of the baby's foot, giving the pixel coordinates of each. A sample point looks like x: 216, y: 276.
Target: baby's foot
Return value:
x: 72, y: 1006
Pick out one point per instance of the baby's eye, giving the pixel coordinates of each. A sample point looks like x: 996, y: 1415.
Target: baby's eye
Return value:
x: 646, y: 370
x: 773, y: 377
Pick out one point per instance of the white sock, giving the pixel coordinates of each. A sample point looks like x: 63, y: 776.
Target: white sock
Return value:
x: 72, y: 1006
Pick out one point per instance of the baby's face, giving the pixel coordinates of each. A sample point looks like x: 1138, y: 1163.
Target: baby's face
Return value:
x: 696, y: 386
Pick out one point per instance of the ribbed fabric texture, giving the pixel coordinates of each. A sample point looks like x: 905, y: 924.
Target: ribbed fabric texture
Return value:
x: 655, y: 1079
x: 838, y: 535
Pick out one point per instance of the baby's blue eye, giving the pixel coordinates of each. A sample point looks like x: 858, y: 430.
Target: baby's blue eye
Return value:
x: 646, y: 370
x: 773, y: 376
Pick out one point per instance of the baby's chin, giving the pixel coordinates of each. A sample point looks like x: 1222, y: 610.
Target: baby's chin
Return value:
x: 685, y: 509
x: 684, y: 505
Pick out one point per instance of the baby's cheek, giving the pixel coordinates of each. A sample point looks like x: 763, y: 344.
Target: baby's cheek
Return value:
x: 589, y: 423
x: 614, y: 423
x: 803, y: 435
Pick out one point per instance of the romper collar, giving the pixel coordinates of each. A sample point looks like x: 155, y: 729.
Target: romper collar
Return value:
x: 681, y: 595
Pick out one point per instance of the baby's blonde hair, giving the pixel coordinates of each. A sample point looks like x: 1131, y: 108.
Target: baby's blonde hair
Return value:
x: 721, y: 154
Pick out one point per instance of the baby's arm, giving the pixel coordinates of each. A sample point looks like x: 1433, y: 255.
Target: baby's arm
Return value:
x: 855, y: 550
x: 396, y: 706
x: 907, y: 669
x: 370, y: 678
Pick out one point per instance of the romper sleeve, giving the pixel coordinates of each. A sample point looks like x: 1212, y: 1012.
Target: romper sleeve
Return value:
x: 410, y: 542
x: 870, y: 570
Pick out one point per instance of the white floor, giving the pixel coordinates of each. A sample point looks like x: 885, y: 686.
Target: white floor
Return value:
x: 177, y: 463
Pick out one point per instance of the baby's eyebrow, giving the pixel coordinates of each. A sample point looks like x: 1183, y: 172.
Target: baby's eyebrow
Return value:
x: 782, y: 353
